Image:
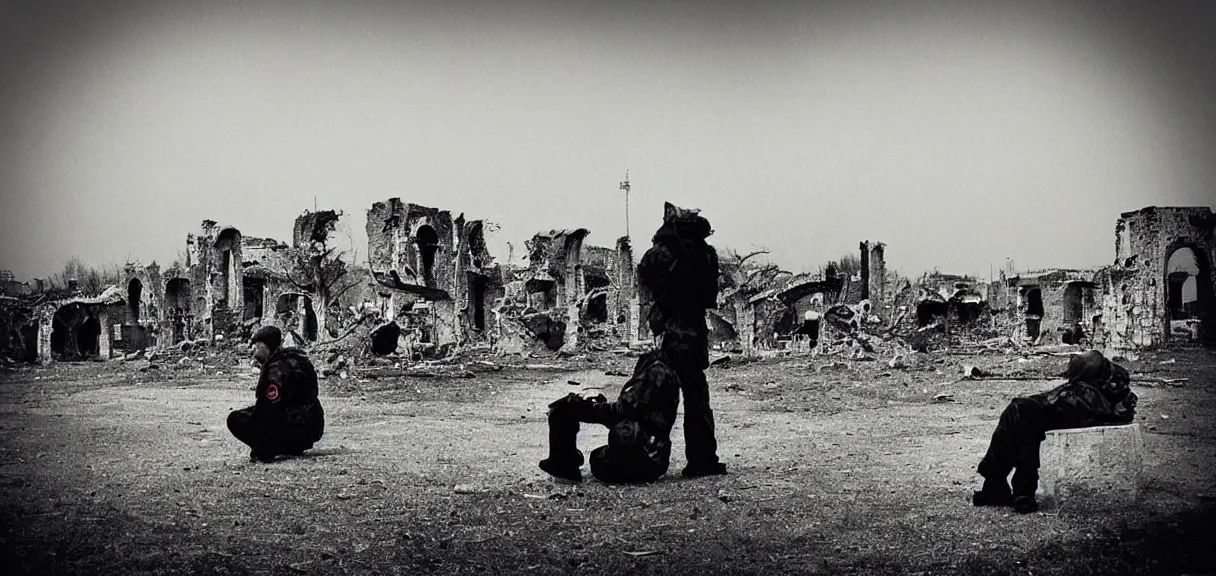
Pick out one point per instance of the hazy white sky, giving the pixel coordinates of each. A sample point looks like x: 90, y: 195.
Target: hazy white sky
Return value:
x: 959, y: 134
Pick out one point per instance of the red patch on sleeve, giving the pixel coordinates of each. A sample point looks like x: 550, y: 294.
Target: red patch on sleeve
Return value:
x: 272, y: 392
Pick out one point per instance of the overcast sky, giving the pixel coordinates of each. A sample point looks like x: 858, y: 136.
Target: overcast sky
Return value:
x: 960, y: 134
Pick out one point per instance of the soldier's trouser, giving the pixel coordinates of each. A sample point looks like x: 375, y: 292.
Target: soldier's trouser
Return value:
x: 1015, y: 445
x: 291, y: 437
x: 686, y: 343
x: 624, y: 459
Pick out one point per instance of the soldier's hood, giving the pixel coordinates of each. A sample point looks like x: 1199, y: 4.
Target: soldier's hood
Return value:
x: 682, y: 224
x: 1089, y: 366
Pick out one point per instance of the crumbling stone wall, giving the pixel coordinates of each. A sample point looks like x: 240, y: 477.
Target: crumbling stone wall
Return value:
x: 627, y: 304
x: 178, y: 314
x: 556, y: 257
x: 417, y: 245
x: 216, y: 278
x: 1068, y: 297
x: 267, y: 264
x: 138, y: 324
x: 415, y: 241
x: 16, y: 320
x: 874, y: 278
x: 1134, y: 289
x: 477, y: 282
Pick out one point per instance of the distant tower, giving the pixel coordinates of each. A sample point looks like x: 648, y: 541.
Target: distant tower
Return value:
x: 625, y: 186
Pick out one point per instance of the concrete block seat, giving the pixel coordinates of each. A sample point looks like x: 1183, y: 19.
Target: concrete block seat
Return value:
x: 1091, y: 468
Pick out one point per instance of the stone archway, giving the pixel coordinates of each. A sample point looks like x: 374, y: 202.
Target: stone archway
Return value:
x: 1179, y: 311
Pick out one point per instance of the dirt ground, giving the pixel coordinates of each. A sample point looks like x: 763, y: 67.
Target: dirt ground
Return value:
x: 836, y: 468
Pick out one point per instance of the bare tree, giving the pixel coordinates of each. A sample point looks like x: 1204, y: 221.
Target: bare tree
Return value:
x: 320, y: 268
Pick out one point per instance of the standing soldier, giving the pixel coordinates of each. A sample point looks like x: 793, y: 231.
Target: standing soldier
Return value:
x: 679, y: 277
x: 287, y: 418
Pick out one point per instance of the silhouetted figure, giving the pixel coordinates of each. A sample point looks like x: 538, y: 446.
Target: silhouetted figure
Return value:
x: 287, y: 418
x: 1097, y: 393
x: 639, y: 427
x: 678, y: 275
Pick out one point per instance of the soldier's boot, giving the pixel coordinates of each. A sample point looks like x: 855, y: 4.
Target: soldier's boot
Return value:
x: 564, y: 458
x: 1025, y: 482
x: 995, y: 492
x: 256, y: 455
x: 704, y: 469
x: 566, y: 467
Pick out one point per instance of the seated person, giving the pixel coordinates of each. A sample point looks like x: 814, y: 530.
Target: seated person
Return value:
x: 287, y: 418
x: 639, y: 427
x: 1097, y: 393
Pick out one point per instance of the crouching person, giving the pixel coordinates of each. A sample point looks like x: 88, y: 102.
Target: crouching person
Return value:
x: 287, y: 418
x: 1097, y: 393
x: 639, y: 427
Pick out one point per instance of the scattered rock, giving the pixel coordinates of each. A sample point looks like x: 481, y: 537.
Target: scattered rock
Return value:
x: 640, y: 553
x: 973, y: 372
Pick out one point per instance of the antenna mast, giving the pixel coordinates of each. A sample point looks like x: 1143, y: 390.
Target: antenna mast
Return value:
x: 625, y: 186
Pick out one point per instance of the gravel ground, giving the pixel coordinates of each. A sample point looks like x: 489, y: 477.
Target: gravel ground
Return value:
x: 837, y: 467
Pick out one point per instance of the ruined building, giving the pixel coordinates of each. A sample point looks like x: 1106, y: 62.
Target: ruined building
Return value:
x: 216, y: 278
x: 1038, y: 307
x: 763, y: 307
x: 1158, y: 291
x: 1144, y: 293
x: 611, y: 294
x: 437, y: 278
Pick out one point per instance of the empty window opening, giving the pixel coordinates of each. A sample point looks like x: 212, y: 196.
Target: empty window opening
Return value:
x: 255, y: 289
x: 477, y: 300
x: 135, y: 290
x: 542, y: 294
x: 597, y: 308
x: 1074, y: 303
x: 428, y: 243
x: 786, y: 323
x: 1034, y: 302
x: 225, y: 266
x: 930, y: 311
x: 177, y: 295
x: 310, y: 321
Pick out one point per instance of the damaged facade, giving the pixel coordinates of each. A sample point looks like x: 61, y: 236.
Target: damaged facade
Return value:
x: 1142, y: 298
x: 570, y: 292
x: 1041, y: 307
x: 764, y: 308
x: 435, y: 277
